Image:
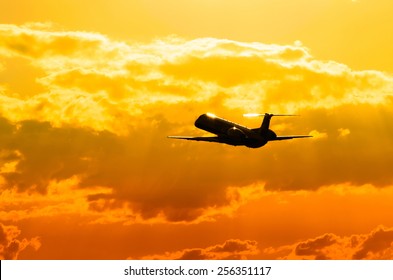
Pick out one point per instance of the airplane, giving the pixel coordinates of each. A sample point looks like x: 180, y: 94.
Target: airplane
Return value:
x: 234, y: 134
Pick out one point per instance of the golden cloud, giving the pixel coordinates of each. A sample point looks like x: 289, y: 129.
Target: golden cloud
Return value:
x: 92, y: 75
x: 343, y: 132
x: 61, y: 198
x: 105, y: 107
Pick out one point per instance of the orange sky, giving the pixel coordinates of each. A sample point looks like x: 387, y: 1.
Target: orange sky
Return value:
x: 89, y: 90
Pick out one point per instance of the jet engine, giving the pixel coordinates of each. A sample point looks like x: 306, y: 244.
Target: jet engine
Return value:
x: 235, y: 132
x: 269, y: 135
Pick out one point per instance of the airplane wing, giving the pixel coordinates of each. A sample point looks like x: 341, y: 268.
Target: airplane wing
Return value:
x: 290, y: 137
x: 206, y: 139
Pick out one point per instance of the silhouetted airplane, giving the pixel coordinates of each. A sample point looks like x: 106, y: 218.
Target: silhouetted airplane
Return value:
x: 235, y: 134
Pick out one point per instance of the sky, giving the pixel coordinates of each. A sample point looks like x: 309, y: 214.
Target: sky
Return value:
x: 89, y: 90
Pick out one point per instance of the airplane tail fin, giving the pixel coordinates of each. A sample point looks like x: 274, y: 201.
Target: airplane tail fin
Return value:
x: 266, y: 120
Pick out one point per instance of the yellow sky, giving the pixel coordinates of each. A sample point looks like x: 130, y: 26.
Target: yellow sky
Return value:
x: 89, y: 90
x: 357, y: 33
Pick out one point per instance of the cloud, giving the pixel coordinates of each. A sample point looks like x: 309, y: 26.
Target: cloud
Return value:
x: 84, y: 160
x: 375, y: 245
x: 62, y: 198
x: 343, y: 132
x: 318, y: 135
x: 34, y: 42
x: 313, y: 247
x: 232, y: 249
x: 123, y: 79
x: 103, y: 109
x: 10, y: 246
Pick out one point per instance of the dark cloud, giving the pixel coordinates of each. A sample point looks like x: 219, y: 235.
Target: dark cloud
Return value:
x: 141, y: 169
x: 155, y: 175
x: 235, y: 246
x: 362, y: 157
x: 10, y: 246
x: 232, y: 249
x: 48, y: 153
x: 315, y: 247
x: 193, y: 254
x: 377, y: 245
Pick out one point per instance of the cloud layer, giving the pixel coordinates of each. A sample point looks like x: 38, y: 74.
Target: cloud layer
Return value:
x: 106, y: 108
x: 376, y: 245
x: 89, y: 115
x: 231, y: 249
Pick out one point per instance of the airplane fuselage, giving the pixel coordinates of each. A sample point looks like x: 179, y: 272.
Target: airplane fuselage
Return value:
x: 233, y: 133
